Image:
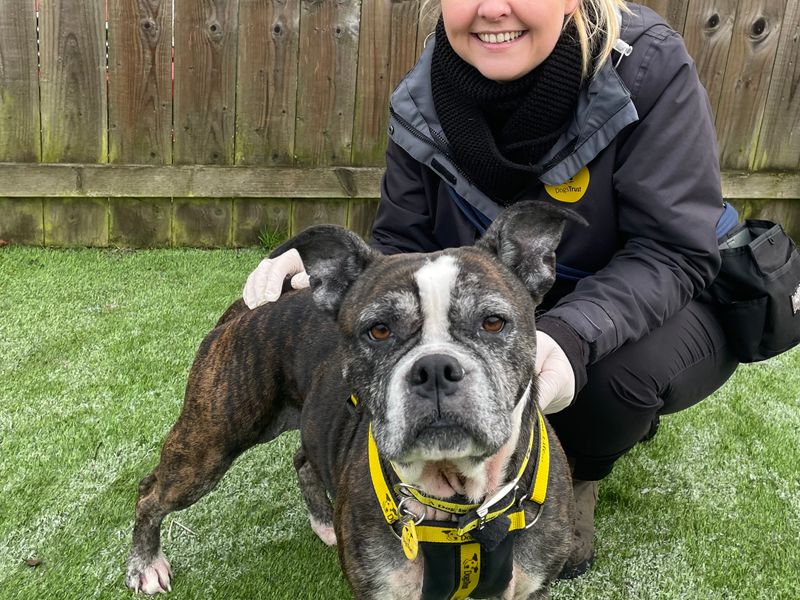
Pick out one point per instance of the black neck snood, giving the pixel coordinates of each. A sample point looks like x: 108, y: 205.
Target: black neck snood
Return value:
x: 497, y: 131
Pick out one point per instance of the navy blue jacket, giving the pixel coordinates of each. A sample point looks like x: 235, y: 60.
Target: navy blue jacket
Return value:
x: 643, y: 130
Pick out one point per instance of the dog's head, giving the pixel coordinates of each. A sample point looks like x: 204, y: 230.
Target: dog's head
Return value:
x: 439, y: 348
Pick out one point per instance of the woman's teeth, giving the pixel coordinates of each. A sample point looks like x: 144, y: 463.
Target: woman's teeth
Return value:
x: 499, y: 38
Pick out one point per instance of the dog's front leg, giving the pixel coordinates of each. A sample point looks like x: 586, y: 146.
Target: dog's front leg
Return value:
x: 371, y: 556
x: 381, y: 576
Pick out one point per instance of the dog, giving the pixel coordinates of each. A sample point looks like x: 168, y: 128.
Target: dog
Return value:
x: 412, y: 380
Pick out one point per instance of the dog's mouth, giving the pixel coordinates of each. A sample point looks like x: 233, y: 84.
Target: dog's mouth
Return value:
x: 446, y: 439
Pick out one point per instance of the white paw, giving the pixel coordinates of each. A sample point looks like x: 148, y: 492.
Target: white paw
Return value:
x: 153, y: 578
x: 324, y: 532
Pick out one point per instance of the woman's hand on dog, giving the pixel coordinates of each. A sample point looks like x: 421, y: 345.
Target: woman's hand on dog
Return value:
x: 265, y: 283
x: 556, y: 377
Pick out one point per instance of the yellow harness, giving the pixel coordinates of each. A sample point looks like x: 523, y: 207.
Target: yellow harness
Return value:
x: 504, y: 503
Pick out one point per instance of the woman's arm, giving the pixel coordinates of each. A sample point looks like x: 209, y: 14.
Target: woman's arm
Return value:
x: 667, y: 184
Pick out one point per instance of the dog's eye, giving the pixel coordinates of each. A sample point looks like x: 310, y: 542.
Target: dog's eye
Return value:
x: 379, y: 332
x: 493, y: 324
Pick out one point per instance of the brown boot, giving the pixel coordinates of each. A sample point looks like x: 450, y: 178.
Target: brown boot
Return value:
x: 582, y: 554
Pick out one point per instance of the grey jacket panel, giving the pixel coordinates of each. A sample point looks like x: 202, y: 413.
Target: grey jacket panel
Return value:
x: 644, y: 131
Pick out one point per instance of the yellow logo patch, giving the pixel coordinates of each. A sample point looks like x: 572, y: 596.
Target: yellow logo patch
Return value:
x: 573, y: 189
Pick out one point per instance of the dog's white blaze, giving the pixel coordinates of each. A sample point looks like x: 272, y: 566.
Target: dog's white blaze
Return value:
x: 436, y: 281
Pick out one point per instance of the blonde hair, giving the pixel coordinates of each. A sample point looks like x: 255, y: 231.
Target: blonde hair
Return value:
x: 595, y: 20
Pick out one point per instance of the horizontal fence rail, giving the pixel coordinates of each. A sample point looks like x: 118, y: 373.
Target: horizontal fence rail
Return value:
x: 161, y: 112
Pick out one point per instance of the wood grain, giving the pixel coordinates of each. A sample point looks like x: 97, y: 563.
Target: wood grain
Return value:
x: 426, y: 27
x: 202, y: 222
x: 206, y: 42
x: 257, y: 217
x: 266, y: 95
x: 746, y: 84
x: 20, y: 139
x: 674, y: 11
x: 709, y: 30
x: 326, y: 81
x: 386, y: 52
x: 72, y: 222
x: 306, y: 213
x: 779, y: 141
x: 140, y: 81
x: 22, y: 180
x: 23, y: 221
x: 72, y: 81
x: 140, y: 222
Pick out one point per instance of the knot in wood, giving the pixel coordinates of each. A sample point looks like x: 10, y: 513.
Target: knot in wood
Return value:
x: 150, y: 29
x: 215, y: 30
x: 759, y: 28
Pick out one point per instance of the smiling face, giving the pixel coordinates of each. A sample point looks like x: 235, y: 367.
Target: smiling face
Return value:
x: 505, y: 39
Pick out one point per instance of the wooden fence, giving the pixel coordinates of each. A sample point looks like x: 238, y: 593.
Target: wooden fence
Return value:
x: 204, y: 122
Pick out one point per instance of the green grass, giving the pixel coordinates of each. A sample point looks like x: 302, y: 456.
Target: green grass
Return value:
x: 95, y: 347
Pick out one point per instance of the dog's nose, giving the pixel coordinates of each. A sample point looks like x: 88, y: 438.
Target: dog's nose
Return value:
x: 434, y: 375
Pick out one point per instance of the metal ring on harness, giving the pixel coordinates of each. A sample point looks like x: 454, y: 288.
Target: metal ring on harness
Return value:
x: 536, y: 518
x: 407, y: 512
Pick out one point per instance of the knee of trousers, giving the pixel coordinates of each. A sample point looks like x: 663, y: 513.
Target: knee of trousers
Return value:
x: 618, y: 386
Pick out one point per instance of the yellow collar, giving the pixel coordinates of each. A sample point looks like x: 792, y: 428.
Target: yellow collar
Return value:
x: 472, y: 515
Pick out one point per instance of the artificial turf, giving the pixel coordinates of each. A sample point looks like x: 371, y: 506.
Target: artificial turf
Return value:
x: 95, y: 347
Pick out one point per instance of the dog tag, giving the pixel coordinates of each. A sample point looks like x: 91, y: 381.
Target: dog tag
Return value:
x: 409, y: 539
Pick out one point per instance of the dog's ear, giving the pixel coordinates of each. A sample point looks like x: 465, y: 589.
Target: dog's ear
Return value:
x: 524, y: 237
x: 334, y: 257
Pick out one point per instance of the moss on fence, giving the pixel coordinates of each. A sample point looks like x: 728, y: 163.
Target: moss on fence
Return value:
x: 165, y: 222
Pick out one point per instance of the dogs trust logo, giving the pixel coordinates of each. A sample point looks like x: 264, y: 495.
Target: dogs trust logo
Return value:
x: 573, y: 189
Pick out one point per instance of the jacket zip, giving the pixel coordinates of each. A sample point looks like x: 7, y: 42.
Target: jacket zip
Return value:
x: 432, y: 143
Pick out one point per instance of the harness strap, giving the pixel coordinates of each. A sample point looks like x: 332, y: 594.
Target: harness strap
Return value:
x: 456, y: 563
x: 385, y: 497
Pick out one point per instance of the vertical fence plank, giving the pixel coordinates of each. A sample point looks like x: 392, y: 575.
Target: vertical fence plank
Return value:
x: 266, y: 95
x: 779, y: 143
x: 709, y: 29
x: 205, y: 81
x: 361, y: 215
x: 22, y: 221
x: 326, y: 81
x: 203, y: 222
x: 386, y: 52
x: 261, y: 220
x: 140, y: 222
x: 427, y: 25
x: 306, y: 213
x: 140, y: 81
x: 674, y: 11
x: 744, y: 89
x: 72, y: 81
x: 74, y: 222
x: 19, y: 86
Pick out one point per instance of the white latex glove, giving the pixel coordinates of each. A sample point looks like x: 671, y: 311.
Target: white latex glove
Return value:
x: 556, y: 378
x: 265, y: 283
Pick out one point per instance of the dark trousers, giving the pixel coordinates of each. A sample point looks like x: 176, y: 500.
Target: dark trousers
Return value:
x: 670, y: 369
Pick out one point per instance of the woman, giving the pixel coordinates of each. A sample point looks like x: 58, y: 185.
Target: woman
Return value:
x: 597, y: 105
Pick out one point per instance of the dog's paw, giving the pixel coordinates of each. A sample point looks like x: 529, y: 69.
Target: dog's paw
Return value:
x: 151, y: 578
x: 323, y: 531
